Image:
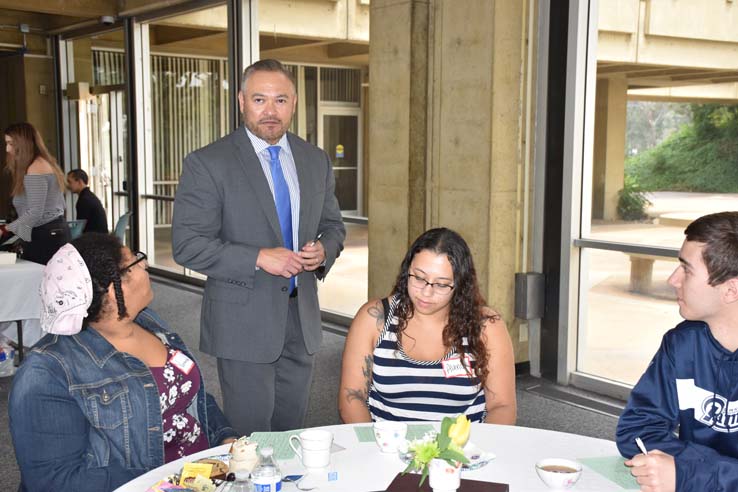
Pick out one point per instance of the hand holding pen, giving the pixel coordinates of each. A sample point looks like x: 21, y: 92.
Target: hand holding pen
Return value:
x: 654, y: 471
x: 313, y: 254
x: 317, y: 238
x: 640, y: 445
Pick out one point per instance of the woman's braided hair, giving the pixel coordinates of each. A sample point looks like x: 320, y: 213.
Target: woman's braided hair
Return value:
x: 103, y: 254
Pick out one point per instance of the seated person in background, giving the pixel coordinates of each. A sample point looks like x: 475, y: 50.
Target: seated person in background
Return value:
x: 88, y: 205
x: 691, y: 382
x: 109, y: 393
x: 433, y: 348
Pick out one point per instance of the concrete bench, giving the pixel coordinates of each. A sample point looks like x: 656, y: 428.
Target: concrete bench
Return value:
x: 641, y: 271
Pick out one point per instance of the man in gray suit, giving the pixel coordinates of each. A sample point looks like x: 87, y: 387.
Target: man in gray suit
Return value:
x: 256, y: 212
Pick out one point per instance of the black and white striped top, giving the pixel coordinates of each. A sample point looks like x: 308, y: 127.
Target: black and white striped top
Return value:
x: 41, y: 202
x: 407, y: 389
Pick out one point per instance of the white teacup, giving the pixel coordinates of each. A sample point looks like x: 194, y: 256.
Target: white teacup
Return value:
x: 559, y: 473
x: 389, y: 435
x: 313, y: 447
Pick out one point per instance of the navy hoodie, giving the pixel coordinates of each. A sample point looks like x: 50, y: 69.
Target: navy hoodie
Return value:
x: 690, y: 387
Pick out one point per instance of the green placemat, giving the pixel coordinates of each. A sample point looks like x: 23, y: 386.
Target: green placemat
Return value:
x: 365, y: 433
x: 280, y: 441
x: 612, y: 468
x: 416, y: 431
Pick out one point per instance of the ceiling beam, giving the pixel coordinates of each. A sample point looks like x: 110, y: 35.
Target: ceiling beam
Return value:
x: 162, y: 35
x: 74, y: 8
x: 342, y: 50
x: 267, y: 42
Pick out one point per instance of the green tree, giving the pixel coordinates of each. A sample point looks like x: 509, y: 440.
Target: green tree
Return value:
x: 650, y: 122
x: 701, y: 156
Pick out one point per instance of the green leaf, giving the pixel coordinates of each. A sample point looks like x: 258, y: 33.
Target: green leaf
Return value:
x: 451, y: 455
x: 443, y: 439
x: 410, y: 467
x: 424, y: 476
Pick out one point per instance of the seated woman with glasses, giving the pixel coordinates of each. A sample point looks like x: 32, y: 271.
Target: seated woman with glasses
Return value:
x: 110, y: 392
x: 431, y: 349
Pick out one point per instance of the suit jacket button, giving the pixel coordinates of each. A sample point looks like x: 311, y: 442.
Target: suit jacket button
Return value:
x: 284, y: 289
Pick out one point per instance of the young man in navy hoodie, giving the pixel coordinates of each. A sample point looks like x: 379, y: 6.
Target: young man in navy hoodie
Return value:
x: 691, y: 385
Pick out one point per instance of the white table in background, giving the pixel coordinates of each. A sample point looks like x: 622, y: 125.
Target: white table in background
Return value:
x: 20, y: 301
x: 361, y: 466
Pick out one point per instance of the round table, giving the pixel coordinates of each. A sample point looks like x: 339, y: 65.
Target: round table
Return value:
x: 19, y: 283
x: 362, y: 467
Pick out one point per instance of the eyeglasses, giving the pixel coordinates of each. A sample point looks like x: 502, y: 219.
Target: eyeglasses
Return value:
x: 437, y: 287
x: 140, y: 256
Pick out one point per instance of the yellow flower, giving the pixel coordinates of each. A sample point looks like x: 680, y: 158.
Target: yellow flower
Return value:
x: 459, y: 431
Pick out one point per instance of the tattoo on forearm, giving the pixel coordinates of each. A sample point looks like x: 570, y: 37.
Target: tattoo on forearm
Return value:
x: 362, y: 394
x: 356, y: 394
x: 377, y: 312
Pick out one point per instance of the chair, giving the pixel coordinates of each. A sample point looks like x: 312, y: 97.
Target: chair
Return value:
x: 76, y: 227
x: 120, y: 227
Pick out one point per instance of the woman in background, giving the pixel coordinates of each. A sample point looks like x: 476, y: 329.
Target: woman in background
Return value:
x: 110, y: 393
x: 37, y: 191
x: 431, y: 349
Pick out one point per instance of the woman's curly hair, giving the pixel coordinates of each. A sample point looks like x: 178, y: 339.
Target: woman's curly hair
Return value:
x: 467, y: 311
x: 103, y: 254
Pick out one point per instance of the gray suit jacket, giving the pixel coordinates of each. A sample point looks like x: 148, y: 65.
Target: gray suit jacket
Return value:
x: 224, y: 213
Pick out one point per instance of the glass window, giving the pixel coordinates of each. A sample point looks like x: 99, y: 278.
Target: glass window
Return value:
x: 189, y: 96
x: 340, y: 85
x: 95, y: 100
x: 347, y: 286
x: 663, y: 153
x: 311, y: 105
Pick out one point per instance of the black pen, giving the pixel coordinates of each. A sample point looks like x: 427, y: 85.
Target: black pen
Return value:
x: 317, y: 238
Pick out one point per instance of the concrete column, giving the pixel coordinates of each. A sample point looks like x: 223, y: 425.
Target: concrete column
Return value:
x: 398, y: 144
x: 611, y: 106
x: 446, y: 88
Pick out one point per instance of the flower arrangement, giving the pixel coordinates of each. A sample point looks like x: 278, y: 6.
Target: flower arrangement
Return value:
x: 445, y: 445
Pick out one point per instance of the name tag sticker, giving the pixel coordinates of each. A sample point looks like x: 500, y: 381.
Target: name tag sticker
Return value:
x: 182, y: 362
x: 452, y: 368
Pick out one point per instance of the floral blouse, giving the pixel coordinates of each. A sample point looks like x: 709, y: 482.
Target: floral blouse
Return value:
x: 178, y: 382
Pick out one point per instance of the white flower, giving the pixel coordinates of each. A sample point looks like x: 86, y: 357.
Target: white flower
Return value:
x: 186, y: 387
x: 169, y: 374
x: 163, y: 402
x: 172, y: 395
x: 179, y: 421
x: 169, y: 435
x: 195, y: 433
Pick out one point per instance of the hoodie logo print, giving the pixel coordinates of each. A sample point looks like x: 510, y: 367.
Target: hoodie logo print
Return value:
x: 709, y: 408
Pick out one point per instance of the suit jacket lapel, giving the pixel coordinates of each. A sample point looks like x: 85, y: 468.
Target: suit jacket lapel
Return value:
x: 252, y: 167
x: 304, y: 180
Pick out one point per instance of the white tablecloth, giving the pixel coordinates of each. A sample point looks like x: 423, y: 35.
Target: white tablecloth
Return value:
x: 361, y: 467
x: 19, y: 300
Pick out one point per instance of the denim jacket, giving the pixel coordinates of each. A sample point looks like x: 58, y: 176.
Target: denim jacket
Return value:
x: 86, y: 417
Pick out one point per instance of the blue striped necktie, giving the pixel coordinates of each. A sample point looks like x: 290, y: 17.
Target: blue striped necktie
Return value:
x: 282, y: 201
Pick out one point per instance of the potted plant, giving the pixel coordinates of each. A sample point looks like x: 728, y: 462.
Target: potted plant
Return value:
x: 441, y: 454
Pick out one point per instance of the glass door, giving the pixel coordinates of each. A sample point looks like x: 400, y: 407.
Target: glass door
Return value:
x: 107, y: 150
x: 185, y: 95
x: 340, y: 137
x: 94, y: 78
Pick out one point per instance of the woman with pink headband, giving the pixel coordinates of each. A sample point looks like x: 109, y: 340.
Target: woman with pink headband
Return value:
x: 110, y: 392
